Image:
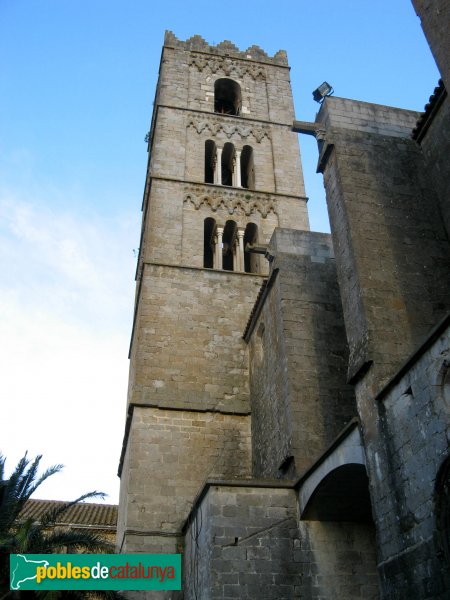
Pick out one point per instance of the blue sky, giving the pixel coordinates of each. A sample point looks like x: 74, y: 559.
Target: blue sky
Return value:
x: 76, y: 90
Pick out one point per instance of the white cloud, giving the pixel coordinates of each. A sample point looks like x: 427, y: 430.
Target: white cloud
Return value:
x: 66, y: 296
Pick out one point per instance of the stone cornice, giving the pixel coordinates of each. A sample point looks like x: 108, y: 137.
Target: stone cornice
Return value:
x: 235, y: 118
x: 221, y: 188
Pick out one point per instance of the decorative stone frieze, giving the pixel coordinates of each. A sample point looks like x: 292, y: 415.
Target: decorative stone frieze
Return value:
x: 245, y: 202
x: 226, y: 66
x: 217, y: 125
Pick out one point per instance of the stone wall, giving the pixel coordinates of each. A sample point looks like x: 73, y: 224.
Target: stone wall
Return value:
x: 170, y: 453
x: 393, y: 262
x: 436, y: 148
x: 187, y: 348
x: 391, y: 248
x: 246, y: 546
x: 243, y: 541
x: 435, y: 17
x: 298, y: 357
x: 415, y: 428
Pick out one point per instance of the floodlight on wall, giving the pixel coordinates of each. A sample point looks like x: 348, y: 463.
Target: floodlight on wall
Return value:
x: 322, y: 91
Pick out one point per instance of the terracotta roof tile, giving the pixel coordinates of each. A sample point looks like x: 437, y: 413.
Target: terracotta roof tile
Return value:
x: 426, y: 118
x: 84, y: 513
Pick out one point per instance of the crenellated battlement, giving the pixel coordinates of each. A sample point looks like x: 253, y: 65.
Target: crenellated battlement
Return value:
x: 225, y: 48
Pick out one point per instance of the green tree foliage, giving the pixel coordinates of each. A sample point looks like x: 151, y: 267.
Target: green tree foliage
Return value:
x: 29, y: 536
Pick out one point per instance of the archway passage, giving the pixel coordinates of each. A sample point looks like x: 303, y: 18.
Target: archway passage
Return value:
x: 342, y: 495
x: 227, y: 97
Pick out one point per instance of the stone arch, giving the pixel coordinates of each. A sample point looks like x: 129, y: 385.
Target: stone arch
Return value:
x: 342, y: 468
x: 342, y: 495
x: 227, y: 96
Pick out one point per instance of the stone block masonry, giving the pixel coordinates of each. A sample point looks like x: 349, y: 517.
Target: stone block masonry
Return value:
x: 187, y: 349
x: 170, y: 453
x: 391, y: 247
x: 243, y: 541
x: 298, y: 357
x: 415, y: 429
x: 188, y: 398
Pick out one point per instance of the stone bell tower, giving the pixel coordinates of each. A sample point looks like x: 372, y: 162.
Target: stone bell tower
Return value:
x: 224, y: 171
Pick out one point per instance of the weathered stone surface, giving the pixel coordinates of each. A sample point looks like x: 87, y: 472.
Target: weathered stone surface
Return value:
x: 298, y: 357
x: 391, y: 247
x: 188, y: 398
x: 203, y: 402
x: 259, y: 551
x: 435, y: 17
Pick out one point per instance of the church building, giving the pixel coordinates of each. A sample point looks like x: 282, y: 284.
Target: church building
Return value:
x: 288, y: 415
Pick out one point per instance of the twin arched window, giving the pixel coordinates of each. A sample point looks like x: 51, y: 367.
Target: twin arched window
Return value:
x: 228, y: 166
x: 227, y: 247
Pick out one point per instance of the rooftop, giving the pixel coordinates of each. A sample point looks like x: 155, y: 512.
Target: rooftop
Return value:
x: 83, y: 513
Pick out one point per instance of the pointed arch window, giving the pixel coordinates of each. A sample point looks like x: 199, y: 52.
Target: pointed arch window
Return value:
x: 227, y: 97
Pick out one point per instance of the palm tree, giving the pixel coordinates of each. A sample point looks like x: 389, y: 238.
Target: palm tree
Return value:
x: 40, y: 537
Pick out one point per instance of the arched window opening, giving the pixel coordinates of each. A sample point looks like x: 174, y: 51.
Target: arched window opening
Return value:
x: 209, y: 243
x: 227, y: 97
x: 247, y: 168
x: 250, y: 258
x: 228, y: 164
x: 229, y: 246
x: 210, y: 161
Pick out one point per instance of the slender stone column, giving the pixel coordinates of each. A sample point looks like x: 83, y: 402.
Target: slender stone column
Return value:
x: 238, y: 168
x: 241, y: 261
x: 219, y: 251
x: 214, y: 242
x: 235, y: 257
x: 233, y: 175
x: 219, y: 166
x: 214, y: 166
